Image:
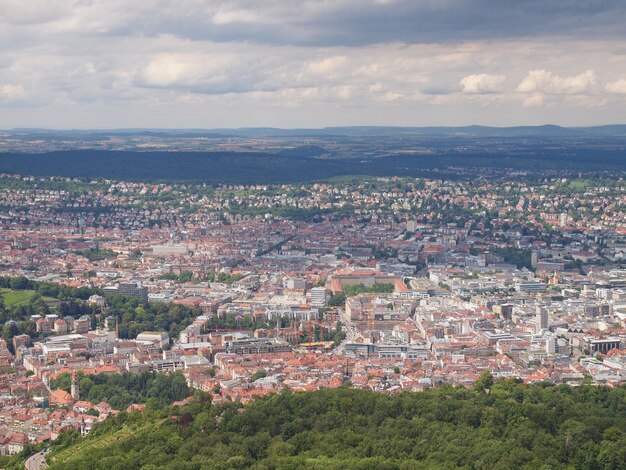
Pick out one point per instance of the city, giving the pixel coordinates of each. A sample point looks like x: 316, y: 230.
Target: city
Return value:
x: 306, y: 235
x: 388, y: 285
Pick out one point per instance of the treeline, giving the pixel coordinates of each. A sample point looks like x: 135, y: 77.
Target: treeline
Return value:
x: 134, y: 314
x: 123, y: 390
x: 257, y: 167
x: 509, y: 426
x: 47, y: 289
x: 96, y: 254
x: 45, y: 298
x: 211, y: 276
x: 377, y: 288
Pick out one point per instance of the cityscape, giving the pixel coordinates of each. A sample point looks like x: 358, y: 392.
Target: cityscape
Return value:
x: 385, y: 284
x: 326, y: 234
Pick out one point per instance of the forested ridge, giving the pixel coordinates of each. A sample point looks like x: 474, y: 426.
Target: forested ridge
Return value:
x: 259, y: 167
x: 511, y: 425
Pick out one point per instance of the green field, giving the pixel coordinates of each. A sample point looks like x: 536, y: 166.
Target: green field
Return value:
x: 16, y: 297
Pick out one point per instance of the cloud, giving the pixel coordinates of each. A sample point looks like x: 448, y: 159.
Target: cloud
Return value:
x: 326, y: 23
x: 18, y: 12
x: 12, y: 92
x: 534, y: 101
x: 617, y: 87
x: 235, y: 16
x: 218, y: 73
x: 287, y: 63
x: 483, y: 83
x: 545, y: 82
x: 327, y: 65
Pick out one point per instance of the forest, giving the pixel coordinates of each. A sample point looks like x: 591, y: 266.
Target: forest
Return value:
x: 123, y: 390
x: 501, y: 425
x: 260, y: 167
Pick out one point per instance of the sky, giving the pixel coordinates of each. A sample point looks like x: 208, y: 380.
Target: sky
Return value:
x: 312, y: 63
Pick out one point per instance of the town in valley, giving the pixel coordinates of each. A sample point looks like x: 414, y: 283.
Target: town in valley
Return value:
x: 241, y: 291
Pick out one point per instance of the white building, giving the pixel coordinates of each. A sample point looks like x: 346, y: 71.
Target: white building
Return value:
x: 161, y: 338
x: 318, y: 296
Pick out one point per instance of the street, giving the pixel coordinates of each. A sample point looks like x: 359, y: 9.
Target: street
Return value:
x: 37, y: 461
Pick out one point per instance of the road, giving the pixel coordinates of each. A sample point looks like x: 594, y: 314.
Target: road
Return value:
x: 37, y: 461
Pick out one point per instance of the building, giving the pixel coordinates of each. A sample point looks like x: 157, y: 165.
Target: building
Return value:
x: 169, y: 250
x: 60, y: 326
x: 318, y: 296
x: 44, y: 325
x: 97, y: 300
x: 133, y: 289
x: 20, y: 340
x: 541, y: 319
x: 503, y: 311
x: 594, y: 345
x: 160, y: 338
x: 81, y: 325
x: 530, y: 286
x: 550, y: 267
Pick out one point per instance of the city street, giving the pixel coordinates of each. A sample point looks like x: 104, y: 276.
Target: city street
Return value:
x: 37, y: 461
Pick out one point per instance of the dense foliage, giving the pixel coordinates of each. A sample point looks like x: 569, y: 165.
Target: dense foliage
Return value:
x: 97, y: 254
x: 377, y: 288
x: 134, y: 314
x: 122, y: 390
x: 257, y: 167
x: 511, y: 426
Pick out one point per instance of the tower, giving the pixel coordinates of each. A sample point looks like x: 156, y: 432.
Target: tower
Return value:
x: 541, y: 319
x: 75, y: 390
x: 534, y: 258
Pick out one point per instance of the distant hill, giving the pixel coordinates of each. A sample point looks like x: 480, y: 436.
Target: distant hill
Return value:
x: 299, y: 165
x: 548, y: 130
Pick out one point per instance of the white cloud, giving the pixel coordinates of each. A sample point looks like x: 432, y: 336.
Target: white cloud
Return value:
x: 617, y: 87
x: 534, y: 101
x: 327, y: 65
x: 235, y: 16
x: 96, y: 61
x: 20, y: 12
x: 545, y: 82
x: 483, y: 83
x: 12, y: 92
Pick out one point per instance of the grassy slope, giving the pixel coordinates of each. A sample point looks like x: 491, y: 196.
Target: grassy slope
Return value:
x: 15, y: 297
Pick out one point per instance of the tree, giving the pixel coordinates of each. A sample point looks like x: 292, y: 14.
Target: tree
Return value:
x: 484, y: 382
x: 259, y: 374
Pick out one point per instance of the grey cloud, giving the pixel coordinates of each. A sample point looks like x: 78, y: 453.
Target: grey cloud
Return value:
x: 324, y: 23
x: 360, y: 22
x: 314, y: 62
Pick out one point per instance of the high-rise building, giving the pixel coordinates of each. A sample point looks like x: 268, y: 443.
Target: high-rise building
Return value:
x: 551, y: 344
x: 318, y: 296
x: 541, y: 319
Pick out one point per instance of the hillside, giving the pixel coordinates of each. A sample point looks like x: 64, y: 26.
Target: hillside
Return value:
x: 513, y: 426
